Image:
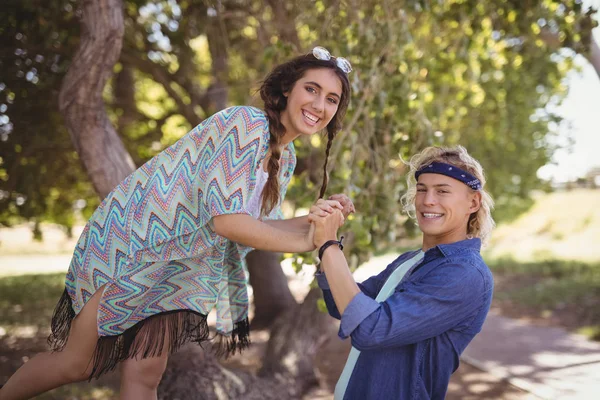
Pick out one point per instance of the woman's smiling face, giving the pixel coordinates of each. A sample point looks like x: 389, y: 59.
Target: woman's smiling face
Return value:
x: 311, y: 104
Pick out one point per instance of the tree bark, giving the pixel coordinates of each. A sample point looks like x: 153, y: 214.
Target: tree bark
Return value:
x: 193, y: 373
x: 124, y: 93
x: 272, y: 295
x: 285, y: 23
x: 288, y: 365
x: 216, y: 36
x: 80, y: 101
x: 296, y: 337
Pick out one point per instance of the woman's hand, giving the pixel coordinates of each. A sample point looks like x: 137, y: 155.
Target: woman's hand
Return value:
x: 322, y: 208
x: 325, y: 228
x: 328, y: 213
x: 346, y: 203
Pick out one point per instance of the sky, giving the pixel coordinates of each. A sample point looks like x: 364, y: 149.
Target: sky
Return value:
x: 581, y: 108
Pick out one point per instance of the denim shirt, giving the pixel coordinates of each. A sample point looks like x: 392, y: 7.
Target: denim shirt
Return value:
x: 410, y: 344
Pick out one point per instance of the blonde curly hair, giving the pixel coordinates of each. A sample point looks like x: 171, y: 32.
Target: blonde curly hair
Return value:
x: 480, y: 223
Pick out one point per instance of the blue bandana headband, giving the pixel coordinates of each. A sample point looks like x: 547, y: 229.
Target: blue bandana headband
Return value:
x: 451, y: 171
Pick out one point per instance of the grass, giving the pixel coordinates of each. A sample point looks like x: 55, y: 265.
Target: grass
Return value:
x: 561, y: 225
x: 546, y: 268
x: 26, y: 306
x: 553, y: 293
x: 592, y: 332
x: 553, y: 287
x: 29, y: 300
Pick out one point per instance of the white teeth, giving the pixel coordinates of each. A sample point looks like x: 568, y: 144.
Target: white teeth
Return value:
x: 309, y: 116
x: 430, y: 215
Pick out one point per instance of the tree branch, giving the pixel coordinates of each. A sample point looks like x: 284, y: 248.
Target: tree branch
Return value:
x: 216, y: 36
x: 80, y: 100
x: 552, y: 40
x: 160, y: 75
x: 284, y: 23
x: 594, y: 56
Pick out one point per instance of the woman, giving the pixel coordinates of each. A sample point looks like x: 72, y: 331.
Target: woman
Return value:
x: 167, y: 245
x: 409, y: 324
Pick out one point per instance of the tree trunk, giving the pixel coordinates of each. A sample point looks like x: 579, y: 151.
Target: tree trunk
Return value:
x: 217, y: 92
x: 272, y: 294
x: 296, y: 337
x: 124, y: 93
x: 80, y: 101
x: 193, y: 373
x: 288, y: 365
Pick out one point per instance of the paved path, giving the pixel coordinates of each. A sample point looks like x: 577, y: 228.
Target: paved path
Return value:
x: 550, y: 363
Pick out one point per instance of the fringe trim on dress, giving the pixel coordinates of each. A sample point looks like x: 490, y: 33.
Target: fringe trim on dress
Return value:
x: 167, y: 331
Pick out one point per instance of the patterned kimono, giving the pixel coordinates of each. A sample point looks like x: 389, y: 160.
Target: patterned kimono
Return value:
x: 152, y: 247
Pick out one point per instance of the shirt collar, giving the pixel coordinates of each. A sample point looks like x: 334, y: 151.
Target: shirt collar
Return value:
x: 449, y: 249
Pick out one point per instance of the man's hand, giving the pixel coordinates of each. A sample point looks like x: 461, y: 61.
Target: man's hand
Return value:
x: 326, y: 227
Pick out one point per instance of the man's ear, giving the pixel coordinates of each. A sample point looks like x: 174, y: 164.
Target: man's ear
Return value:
x: 475, y: 202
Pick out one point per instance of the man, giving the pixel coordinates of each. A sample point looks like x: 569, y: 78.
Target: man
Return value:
x: 409, y: 324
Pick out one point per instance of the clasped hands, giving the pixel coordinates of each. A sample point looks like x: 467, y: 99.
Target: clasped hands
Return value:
x: 327, y: 216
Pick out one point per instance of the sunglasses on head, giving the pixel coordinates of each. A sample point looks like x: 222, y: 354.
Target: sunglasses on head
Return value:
x: 321, y: 53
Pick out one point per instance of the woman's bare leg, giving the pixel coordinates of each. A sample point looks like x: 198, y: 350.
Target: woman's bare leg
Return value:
x: 140, y: 377
x: 47, y: 371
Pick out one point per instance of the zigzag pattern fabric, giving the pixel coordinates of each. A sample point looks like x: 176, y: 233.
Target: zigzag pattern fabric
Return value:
x: 151, y: 241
